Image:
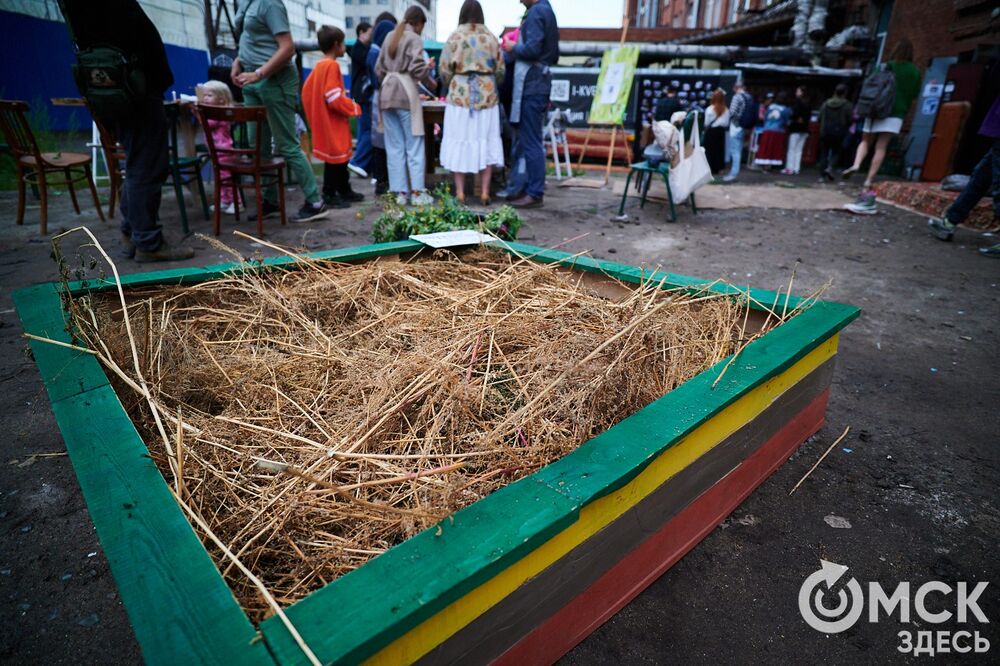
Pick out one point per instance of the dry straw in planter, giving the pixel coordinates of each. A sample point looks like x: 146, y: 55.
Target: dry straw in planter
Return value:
x: 310, y: 419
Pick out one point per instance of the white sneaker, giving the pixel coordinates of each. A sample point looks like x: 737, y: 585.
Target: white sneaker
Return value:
x: 356, y: 170
x: 863, y: 205
x: 422, y: 199
x: 228, y: 210
x: 402, y: 199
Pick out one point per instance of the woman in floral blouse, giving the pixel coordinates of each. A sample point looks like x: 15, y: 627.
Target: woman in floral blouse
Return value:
x: 472, y: 68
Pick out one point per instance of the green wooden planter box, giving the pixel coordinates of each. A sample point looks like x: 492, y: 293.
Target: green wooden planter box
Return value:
x: 522, y: 574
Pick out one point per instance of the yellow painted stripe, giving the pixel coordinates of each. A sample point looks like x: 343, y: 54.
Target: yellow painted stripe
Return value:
x: 593, y: 517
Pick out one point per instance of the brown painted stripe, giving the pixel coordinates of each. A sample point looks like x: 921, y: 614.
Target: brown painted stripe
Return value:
x: 500, y: 627
x: 643, y: 565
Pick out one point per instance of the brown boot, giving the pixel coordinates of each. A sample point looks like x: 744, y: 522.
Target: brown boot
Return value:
x: 127, y: 248
x: 527, y: 201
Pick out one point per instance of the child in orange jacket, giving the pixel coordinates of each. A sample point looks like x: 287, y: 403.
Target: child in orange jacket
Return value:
x: 328, y: 109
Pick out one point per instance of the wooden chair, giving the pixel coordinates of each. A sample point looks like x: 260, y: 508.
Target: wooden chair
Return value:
x: 184, y: 168
x: 34, y: 166
x: 239, y: 161
x: 114, y: 159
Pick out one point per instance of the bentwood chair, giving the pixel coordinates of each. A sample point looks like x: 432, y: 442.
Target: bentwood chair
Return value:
x: 238, y: 162
x: 35, y: 167
x: 114, y: 159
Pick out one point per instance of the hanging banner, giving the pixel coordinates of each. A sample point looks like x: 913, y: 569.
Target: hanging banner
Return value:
x: 614, y: 85
x: 575, y: 91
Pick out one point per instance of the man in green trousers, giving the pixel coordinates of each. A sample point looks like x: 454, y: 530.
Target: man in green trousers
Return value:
x: 267, y: 74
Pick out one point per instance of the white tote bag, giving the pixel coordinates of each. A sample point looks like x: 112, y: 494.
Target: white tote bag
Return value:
x: 693, y: 170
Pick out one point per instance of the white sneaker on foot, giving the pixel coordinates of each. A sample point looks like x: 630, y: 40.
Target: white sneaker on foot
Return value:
x: 863, y: 205
x: 356, y: 170
x: 402, y: 199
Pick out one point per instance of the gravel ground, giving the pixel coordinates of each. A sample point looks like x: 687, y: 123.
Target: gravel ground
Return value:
x: 915, y: 479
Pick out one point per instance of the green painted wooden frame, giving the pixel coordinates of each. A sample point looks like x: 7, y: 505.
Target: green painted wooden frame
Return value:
x: 176, y: 598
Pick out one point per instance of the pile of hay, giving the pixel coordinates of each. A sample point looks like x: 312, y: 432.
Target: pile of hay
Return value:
x: 312, y: 419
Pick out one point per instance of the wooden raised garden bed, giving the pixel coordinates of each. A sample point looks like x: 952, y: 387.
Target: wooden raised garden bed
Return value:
x: 519, y: 576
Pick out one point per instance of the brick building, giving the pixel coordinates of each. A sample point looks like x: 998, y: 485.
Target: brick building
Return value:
x: 358, y: 11
x: 940, y: 27
x: 695, y: 14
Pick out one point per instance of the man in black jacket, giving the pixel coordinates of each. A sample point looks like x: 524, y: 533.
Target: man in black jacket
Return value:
x: 667, y: 105
x: 143, y: 134
x: 536, y: 51
x: 359, y: 83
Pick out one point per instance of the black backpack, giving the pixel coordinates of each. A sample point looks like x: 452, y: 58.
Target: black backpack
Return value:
x: 748, y: 118
x: 878, y: 93
x: 111, y: 81
x: 834, y: 123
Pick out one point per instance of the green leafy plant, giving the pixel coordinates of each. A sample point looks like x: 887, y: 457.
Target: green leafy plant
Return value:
x: 399, y: 222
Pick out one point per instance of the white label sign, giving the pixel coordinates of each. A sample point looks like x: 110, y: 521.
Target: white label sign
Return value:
x: 614, y: 77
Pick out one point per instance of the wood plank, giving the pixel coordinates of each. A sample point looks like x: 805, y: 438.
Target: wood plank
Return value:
x: 73, y: 372
x: 623, y: 582
x: 177, y: 601
x: 532, y: 604
x: 390, y: 595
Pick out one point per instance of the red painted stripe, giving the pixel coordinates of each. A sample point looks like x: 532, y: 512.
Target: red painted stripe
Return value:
x: 623, y: 582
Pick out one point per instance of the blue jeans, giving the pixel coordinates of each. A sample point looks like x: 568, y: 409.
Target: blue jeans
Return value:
x: 144, y: 137
x: 734, y: 145
x: 363, y: 150
x: 529, y: 144
x: 985, y: 179
x: 404, y: 152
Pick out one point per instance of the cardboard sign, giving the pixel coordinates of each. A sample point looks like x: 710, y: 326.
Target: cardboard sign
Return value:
x: 614, y: 85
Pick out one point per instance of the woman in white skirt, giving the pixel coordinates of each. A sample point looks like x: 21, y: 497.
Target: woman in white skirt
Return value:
x: 471, y: 67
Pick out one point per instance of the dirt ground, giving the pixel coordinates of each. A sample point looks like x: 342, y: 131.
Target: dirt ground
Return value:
x: 915, y: 480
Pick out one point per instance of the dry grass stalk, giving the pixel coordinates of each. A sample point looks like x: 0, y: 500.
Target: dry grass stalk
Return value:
x: 333, y: 411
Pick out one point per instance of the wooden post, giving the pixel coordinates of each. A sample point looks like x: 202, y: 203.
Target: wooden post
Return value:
x: 586, y: 142
x: 614, y: 129
x: 611, y: 151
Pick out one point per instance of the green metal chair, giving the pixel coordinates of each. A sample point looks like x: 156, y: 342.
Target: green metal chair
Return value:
x: 645, y: 174
x: 184, y: 168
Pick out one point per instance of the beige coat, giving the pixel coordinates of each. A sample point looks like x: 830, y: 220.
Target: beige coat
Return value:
x: 409, y: 60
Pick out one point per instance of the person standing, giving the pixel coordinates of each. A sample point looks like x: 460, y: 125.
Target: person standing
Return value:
x: 742, y: 116
x: 401, y: 65
x: 359, y: 81
x: 471, y: 67
x: 798, y: 130
x: 266, y: 72
x: 514, y: 181
x: 774, y: 138
x: 717, y: 119
x: 536, y: 50
x: 123, y: 25
x: 667, y: 105
x: 329, y: 109
x: 835, y: 117
x: 378, y: 164
x: 880, y: 131
x: 985, y: 180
